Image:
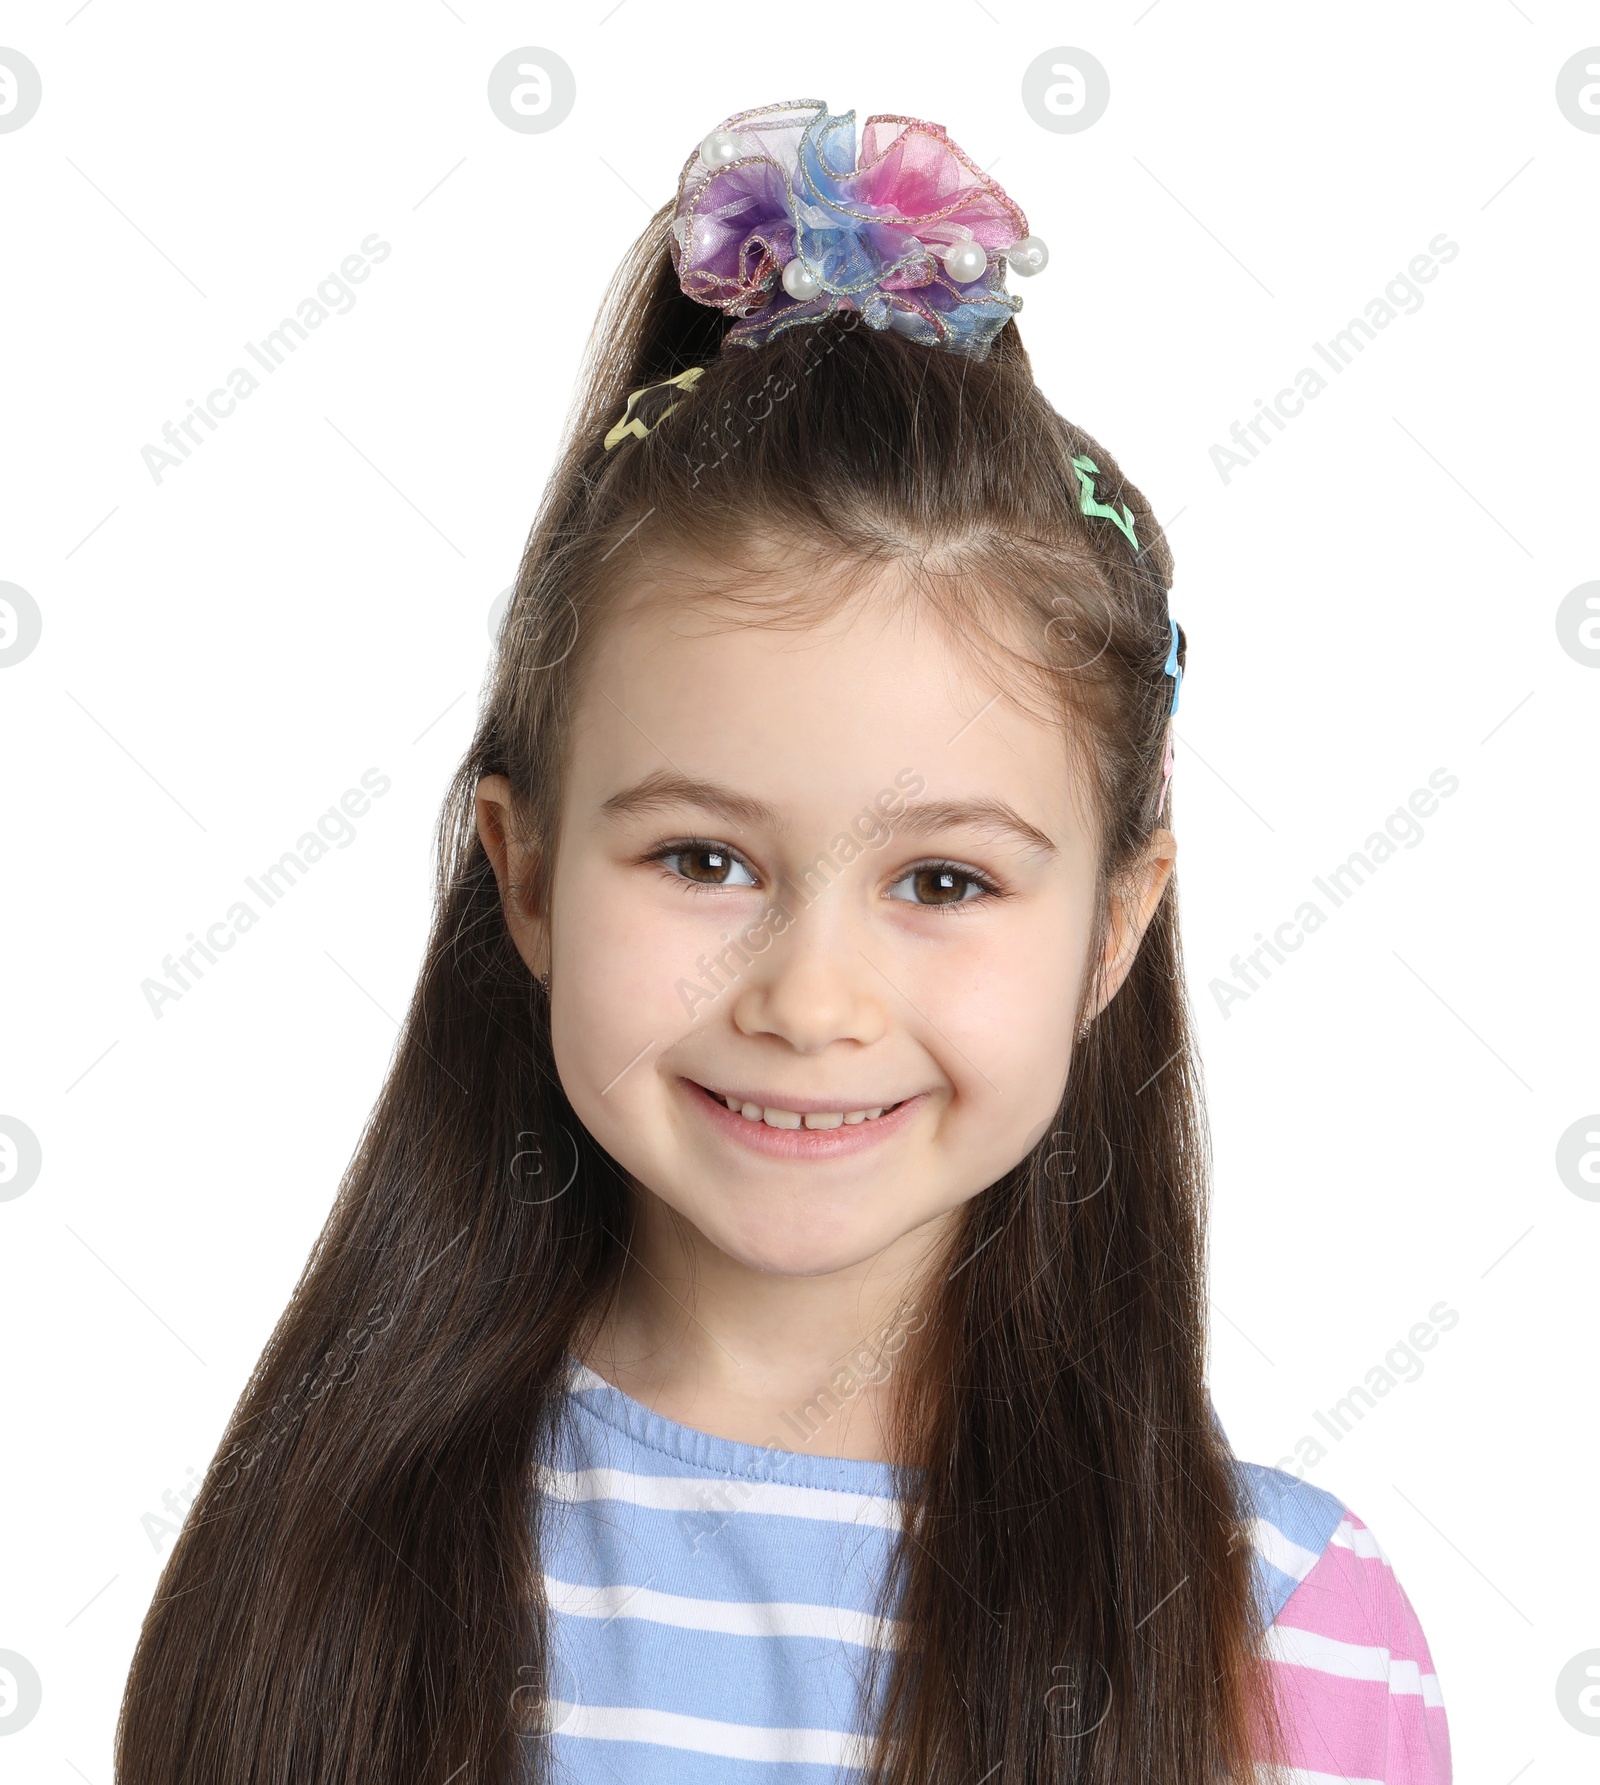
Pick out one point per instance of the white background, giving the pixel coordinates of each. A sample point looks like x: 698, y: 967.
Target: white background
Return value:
x: 307, y: 597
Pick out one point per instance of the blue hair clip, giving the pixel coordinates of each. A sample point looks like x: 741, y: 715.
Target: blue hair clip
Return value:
x: 1170, y: 667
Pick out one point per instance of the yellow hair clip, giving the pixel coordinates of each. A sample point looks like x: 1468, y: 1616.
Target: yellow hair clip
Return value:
x: 631, y: 426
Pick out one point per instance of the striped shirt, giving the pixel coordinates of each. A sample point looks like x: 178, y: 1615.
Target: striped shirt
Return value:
x: 711, y: 1603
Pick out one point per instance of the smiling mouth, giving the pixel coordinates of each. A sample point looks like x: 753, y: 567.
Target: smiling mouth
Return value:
x: 774, y: 1116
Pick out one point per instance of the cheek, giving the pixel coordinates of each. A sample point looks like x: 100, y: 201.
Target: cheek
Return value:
x: 621, y: 975
x: 1011, y: 1016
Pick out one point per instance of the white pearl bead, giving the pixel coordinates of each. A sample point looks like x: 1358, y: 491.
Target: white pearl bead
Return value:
x: 1029, y: 256
x: 799, y: 282
x: 966, y: 261
x: 719, y: 148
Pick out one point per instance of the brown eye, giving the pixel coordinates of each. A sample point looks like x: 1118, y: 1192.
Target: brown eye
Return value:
x: 706, y: 865
x: 941, y: 883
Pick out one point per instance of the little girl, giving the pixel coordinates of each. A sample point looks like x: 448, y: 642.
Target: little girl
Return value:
x: 761, y: 1336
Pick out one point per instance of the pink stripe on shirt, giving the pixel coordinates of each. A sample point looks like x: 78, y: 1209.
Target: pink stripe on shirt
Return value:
x: 1356, y: 1685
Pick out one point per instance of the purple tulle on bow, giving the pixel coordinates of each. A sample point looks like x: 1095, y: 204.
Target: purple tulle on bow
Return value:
x: 777, y: 223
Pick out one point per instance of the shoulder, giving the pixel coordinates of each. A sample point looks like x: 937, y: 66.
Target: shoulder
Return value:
x: 1292, y: 1524
x: 1358, y: 1691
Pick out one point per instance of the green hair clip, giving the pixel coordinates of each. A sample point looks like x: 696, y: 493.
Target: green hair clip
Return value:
x: 1083, y: 465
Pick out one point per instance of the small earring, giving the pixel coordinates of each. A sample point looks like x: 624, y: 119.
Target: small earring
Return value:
x: 1083, y: 1030
x: 544, y: 980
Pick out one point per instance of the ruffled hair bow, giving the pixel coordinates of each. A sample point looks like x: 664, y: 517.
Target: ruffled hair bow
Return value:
x: 777, y: 223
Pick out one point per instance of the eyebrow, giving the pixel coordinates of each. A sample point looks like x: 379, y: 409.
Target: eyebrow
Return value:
x: 663, y: 790
x: 992, y: 817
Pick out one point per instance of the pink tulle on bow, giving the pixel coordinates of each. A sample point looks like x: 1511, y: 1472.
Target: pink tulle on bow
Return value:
x: 783, y: 190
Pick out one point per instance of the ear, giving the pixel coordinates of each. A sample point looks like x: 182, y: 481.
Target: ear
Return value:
x: 1133, y: 903
x: 513, y: 871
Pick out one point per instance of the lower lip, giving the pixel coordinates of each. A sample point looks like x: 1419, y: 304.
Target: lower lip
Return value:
x: 803, y: 1142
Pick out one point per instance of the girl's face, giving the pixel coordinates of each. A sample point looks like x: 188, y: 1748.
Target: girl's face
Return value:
x: 814, y: 874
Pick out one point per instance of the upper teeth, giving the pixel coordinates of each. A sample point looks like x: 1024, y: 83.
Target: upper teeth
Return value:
x: 790, y: 1118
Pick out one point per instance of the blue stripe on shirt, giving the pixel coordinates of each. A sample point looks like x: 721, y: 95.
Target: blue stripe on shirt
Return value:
x: 712, y: 1601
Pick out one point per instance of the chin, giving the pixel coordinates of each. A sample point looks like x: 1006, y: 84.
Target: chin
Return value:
x: 803, y: 1246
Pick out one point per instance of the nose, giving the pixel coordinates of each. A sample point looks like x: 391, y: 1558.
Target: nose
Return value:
x: 814, y: 986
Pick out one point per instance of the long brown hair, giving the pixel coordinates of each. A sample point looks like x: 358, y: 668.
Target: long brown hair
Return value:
x: 356, y: 1592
